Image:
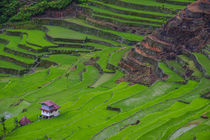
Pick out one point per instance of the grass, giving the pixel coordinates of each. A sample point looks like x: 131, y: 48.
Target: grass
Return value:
x: 197, y: 104
x: 103, y: 55
x: 100, y: 11
x: 13, y: 43
x: 60, y: 32
x: 20, y: 85
x: 142, y: 23
x: 140, y: 98
x: 204, y: 61
x: 5, y: 64
x: 36, y: 37
x: 191, y: 65
x: 84, y: 93
x: 153, y: 2
x: 131, y: 10
x: 117, y: 55
x: 129, y: 36
x: 200, y: 131
x: 176, y: 66
x: 173, y: 76
x: 62, y: 59
x: 70, y: 49
x: 24, y: 42
x: 104, y: 78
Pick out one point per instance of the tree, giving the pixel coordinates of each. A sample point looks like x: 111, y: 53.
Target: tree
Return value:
x: 3, y: 124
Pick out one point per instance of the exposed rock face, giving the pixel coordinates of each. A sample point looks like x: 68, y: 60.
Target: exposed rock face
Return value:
x: 188, y: 30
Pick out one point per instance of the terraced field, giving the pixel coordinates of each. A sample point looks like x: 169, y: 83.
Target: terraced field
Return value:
x: 74, y: 62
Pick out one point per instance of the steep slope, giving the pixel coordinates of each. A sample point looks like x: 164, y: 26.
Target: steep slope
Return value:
x: 75, y: 58
x: 187, y: 32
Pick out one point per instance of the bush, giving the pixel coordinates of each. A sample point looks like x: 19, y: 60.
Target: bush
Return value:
x: 8, y: 9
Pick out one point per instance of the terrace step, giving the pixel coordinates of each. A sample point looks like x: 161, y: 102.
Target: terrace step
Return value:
x: 79, y: 43
x: 145, y: 54
x: 190, y: 65
x: 171, y: 75
x: 10, y: 65
x: 144, y: 46
x: 172, y: 64
x: 91, y: 10
x: 121, y: 10
x: 138, y: 6
x: 208, y: 47
x: 202, y: 63
x: 22, y: 61
x: 83, y: 27
x: 12, y: 46
x: 175, y: 2
x: 20, y: 53
x: 31, y: 37
x: 119, y: 24
x: 136, y: 61
x: 67, y: 35
x: 65, y: 50
x: 143, y: 57
x: 206, y: 52
x: 126, y: 66
x: 31, y: 48
x: 88, y: 46
x: 153, y: 48
x: 16, y: 60
x: 153, y: 41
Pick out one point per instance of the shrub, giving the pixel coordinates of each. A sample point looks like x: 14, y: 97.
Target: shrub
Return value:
x: 8, y: 10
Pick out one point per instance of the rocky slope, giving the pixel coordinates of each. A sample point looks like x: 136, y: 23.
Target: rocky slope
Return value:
x: 188, y: 31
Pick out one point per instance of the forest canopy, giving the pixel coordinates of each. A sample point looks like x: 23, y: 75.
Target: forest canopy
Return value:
x: 16, y: 10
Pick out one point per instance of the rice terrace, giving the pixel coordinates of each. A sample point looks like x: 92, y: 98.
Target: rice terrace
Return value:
x: 105, y: 69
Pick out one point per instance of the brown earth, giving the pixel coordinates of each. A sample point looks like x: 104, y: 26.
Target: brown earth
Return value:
x: 189, y: 31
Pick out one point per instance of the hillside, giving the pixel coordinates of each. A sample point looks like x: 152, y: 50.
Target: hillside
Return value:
x: 185, y: 34
x: 84, y: 58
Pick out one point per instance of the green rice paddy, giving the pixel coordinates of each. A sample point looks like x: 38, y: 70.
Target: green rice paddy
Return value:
x: 95, y: 104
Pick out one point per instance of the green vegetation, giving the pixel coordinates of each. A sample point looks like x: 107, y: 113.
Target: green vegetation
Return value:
x: 177, y: 67
x: 129, y: 36
x: 8, y: 9
x: 62, y: 59
x: 204, y: 61
x: 5, y: 64
x: 34, y: 37
x: 173, y: 76
x: 191, y: 65
x: 78, y: 70
x: 155, y: 2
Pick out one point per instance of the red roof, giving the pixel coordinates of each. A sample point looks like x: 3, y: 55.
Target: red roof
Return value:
x: 50, y: 103
x: 24, y: 121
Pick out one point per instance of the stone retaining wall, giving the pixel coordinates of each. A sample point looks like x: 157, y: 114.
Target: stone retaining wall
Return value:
x: 137, y: 6
x: 20, y: 53
x: 113, y: 108
x: 47, y: 63
x: 174, y: 69
x: 197, y: 64
x: 13, y: 71
x: 10, y: 59
x: 83, y: 29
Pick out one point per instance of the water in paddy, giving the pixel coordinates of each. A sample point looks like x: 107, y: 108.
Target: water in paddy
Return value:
x: 103, y: 78
x: 181, y: 131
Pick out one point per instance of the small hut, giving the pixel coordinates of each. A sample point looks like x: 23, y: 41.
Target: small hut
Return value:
x: 49, y: 109
x: 24, y: 121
